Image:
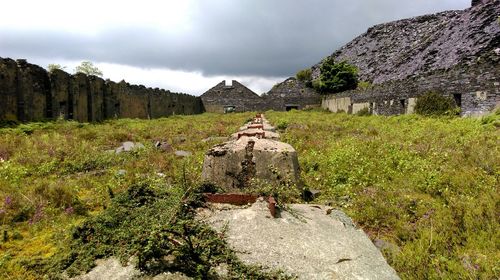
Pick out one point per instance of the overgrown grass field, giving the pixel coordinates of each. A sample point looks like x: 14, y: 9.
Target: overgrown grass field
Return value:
x: 424, y: 188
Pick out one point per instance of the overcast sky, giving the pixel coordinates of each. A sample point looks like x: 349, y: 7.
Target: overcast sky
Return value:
x: 190, y: 45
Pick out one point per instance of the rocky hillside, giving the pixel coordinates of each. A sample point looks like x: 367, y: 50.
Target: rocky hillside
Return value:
x: 410, y: 47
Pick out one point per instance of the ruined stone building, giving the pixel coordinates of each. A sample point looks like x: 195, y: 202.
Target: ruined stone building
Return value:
x: 290, y: 94
x: 233, y: 97
x: 455, y: 53
x: 29, y: 93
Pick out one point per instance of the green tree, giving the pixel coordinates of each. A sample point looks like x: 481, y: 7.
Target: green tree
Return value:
x: 87, y: 67
x: 336, y: 77
x: 51, y: 67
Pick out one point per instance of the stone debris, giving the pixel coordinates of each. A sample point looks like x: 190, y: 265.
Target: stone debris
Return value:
x: 309, y: 244
x: 129, y: 146
x: 164, y: 146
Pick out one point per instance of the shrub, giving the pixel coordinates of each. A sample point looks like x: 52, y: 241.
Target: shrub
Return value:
x: 364, y: 112
x: 433, y: 103
x: 364, y: 85
x: 304, y: 75
x: 336, y: 77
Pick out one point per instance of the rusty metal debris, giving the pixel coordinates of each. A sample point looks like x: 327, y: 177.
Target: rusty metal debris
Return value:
x: 230, y: 198
x: 272, y: 206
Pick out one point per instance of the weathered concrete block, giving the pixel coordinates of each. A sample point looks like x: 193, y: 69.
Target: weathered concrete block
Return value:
x: 309, y: 243
x: 252, y: 131
x: 235, y: 164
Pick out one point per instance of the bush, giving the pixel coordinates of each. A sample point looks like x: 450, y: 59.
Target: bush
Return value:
x: 364, y: 112
x: 304, y: 75
x: 336, y: 77
x: 433, y: 103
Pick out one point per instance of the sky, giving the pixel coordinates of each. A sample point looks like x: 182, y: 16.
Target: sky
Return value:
x: 191, y: 45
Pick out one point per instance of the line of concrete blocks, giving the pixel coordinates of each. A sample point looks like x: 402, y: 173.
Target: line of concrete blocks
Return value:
x: 253, y: 155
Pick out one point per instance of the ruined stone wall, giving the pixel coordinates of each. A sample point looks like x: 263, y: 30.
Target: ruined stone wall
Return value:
x: 291, y: 94
x: 33, y: 92
x: 237, y: 95
x: 29, y: 93
x: 8, y: 89
x: 475, y: 87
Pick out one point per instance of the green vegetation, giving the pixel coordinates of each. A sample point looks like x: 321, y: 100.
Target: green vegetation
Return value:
x: 305, y: 75
x: 336, y: 77
x: 52, y: 67
x: 364, y: 112
x: 363, y: 85
x: 56, y: 175
x: 433, y: 103
x: 88, y: 68
x: 428, y: 187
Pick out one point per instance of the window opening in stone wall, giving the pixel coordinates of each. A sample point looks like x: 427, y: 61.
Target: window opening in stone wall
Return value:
x: 229, y: 109
x: 402, y: 102
x: 228, y: 83
x: 117, y: 109
x: 291, y: 107
x: 62, y: 110
x: 458, y: 99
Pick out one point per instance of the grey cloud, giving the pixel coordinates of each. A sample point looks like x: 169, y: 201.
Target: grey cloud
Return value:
x: 248, y: 37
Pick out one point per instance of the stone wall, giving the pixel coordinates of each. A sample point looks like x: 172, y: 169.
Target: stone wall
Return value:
x: 475, y: 88
x: 236, y: 95
x: 291, y: 94
x: 29, y: 93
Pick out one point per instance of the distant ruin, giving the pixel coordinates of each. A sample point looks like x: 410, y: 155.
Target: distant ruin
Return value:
x: 288, y: 95
x: 30, y: 93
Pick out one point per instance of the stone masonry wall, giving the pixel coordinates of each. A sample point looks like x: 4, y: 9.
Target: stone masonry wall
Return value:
x: 29, y: 93
x: 291, y: 94
x: 476, y: 88
x: 236, y: 95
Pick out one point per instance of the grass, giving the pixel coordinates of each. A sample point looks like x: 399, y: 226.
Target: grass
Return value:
x: 57, y: 175
x: 427, y: 187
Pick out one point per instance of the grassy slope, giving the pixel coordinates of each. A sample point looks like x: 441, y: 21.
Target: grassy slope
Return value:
x: 430, y: 186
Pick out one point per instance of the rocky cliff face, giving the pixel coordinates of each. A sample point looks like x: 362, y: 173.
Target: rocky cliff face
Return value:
x: 420, y: 45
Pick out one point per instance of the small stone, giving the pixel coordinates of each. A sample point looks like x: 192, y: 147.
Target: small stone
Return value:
x: 128, y: 146
x: 121, y: 172
x: 164, y: 146
x: 182, y: 153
